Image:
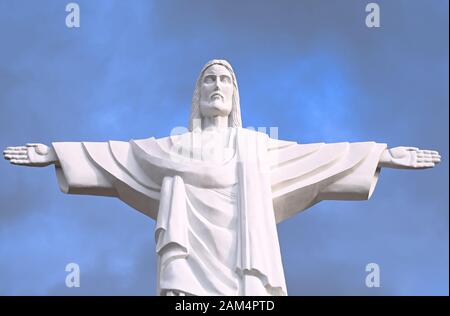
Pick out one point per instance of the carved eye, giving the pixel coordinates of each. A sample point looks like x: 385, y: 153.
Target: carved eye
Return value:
x: 225, y: 79
x: 209, y: 79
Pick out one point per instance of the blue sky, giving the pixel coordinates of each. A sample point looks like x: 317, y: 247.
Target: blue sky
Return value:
x: 311, y: 68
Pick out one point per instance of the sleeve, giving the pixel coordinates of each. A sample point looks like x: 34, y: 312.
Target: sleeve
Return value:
x: 106, y: 169
x: 304, y: 174
x: 78, y: 174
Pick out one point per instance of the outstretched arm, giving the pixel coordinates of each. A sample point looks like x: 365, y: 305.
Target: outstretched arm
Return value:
x: 93, y: 168
x: 31, y: 155
x: 75, y: 171
x: 409, y: 158
x: 304, y: 174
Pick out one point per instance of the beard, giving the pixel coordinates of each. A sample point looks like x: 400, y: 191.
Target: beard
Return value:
x: 215, y: 107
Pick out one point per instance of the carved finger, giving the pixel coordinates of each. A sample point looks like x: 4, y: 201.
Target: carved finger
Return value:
x: 11, y: 152
x: 19, y: 161
x: 32, y: 144
x: 20, y: 153
x: 17, y: 148
x: 427, y: 165
x: 436, y: 159
x: 16, y: 156
x: 412, y: 149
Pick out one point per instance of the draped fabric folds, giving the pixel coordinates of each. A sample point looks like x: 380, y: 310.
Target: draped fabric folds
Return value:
x: 216, y: 222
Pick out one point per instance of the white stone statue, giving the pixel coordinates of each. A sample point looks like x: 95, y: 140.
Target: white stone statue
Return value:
x: 218, y: 190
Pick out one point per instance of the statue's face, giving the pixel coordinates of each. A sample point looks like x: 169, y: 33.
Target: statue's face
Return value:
x: 216, y: 92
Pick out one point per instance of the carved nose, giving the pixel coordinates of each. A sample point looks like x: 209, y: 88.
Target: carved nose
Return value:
x: 218, y: 84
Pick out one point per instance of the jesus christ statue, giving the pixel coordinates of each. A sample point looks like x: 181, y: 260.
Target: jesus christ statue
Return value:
x: 218, y: 190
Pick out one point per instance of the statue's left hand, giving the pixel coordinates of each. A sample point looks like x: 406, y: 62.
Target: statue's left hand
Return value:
x: 409, y: 158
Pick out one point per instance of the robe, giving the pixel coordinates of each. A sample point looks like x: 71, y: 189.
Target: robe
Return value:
x: 216, y: 222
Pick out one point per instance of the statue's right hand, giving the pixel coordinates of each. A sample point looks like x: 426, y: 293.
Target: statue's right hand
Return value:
x: 33, y: 155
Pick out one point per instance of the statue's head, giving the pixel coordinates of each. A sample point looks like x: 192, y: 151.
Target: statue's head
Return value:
x: 216, y: 94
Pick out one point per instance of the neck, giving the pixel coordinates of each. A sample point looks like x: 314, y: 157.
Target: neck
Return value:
x: 215, y: 122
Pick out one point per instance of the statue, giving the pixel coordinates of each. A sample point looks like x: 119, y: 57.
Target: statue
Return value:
x: 217, y: 191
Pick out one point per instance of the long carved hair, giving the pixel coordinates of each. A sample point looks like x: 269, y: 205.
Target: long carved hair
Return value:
x: 234, y: 118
